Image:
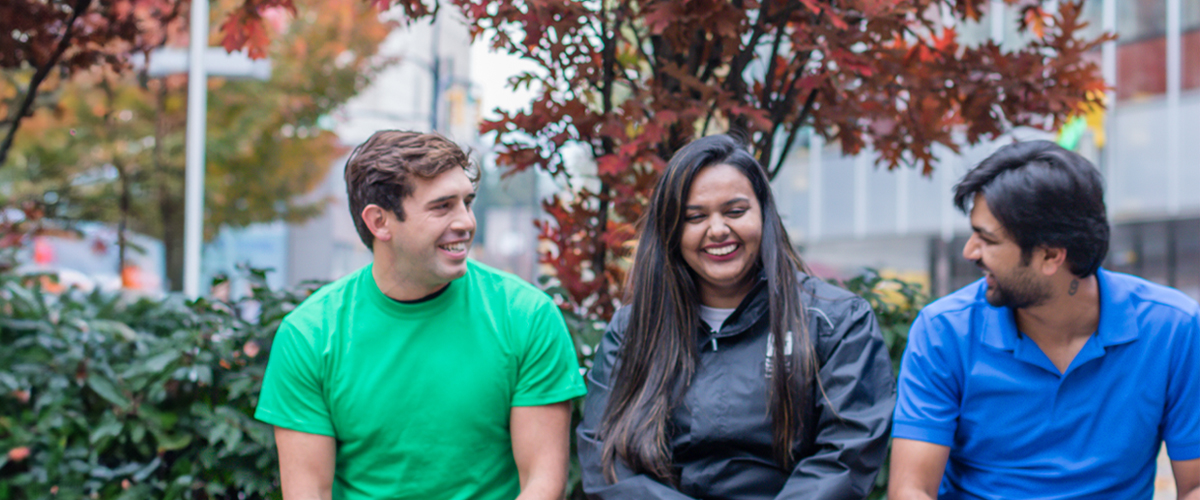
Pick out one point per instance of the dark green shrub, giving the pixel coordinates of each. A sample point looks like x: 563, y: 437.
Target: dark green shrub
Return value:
x: 103, y: 396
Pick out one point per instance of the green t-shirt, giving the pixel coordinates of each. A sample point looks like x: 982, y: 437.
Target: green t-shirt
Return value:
x: 418, y: 395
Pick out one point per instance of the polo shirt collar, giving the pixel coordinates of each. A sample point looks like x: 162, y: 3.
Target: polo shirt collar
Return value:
x: 1118, y: 317
x: 999, y: 325
x: 1118, y: 314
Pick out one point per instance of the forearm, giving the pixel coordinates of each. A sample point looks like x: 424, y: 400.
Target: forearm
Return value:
x: 903, y: 493
x: 545, y: 482
x: 543, y: 488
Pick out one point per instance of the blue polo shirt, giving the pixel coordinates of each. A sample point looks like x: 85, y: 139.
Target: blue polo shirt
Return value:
x: 1019, y: 428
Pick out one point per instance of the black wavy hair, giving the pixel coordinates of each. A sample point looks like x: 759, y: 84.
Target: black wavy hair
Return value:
x: 1044, y: 196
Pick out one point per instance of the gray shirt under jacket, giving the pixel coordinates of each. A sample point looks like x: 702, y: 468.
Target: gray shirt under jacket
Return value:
x: 721, y: 434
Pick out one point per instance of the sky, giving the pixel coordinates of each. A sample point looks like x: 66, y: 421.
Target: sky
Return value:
x: 490, y: 72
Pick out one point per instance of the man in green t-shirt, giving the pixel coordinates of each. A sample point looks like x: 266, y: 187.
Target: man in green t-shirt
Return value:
x: 423, y: 375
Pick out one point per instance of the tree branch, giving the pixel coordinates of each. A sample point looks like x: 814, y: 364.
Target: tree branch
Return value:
x: 39, y: 76
x: 799, y: 122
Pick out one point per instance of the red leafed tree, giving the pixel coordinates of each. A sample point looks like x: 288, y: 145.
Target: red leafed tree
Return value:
x: 45, y: 42
x: 634, y: 80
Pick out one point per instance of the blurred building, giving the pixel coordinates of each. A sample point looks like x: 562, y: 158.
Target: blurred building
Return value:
x: 847, y: 213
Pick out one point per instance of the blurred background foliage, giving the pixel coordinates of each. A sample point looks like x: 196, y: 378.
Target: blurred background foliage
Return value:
x: 107, y: 145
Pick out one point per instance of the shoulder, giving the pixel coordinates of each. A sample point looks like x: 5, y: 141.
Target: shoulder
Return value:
x: 326, y: 301
x: 1148, y: 295
x: 953, y: 312
x: 829, y: 305
x: 958, y: 302
x: 496, y: 285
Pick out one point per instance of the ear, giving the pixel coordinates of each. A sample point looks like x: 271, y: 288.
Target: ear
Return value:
x: 1052, y: 259
x: 376, y: 220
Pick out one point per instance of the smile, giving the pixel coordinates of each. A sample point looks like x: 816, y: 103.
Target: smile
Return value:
x: 455, y: 247
x: 722, y: 250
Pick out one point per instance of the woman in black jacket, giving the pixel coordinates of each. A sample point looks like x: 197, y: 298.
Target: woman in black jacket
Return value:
x: 730, y: 373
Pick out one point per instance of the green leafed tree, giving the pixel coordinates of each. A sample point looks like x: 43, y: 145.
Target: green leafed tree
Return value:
x: 111, y: 148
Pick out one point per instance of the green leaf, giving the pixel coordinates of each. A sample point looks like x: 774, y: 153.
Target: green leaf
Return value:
x: 156, y: 364
x: 117, y: 328
x: 109, y: 427
x: 107, y: 390
x: 145, y: 472
x: 171, y: 442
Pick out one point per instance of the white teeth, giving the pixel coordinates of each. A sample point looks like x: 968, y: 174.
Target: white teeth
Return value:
x: 455, y: 248
x: 719, y: 251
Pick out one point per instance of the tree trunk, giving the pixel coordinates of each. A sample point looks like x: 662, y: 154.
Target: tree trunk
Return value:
x: 123, y: 221
x: 169, y: 209
x: 172, y: 237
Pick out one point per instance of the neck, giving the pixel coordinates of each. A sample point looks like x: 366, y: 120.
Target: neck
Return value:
x: 395, y: 280
x: 1072, y: 312
x: 725, y: 298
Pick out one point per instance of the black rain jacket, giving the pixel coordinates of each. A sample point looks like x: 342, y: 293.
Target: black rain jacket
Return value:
x: 721, y: 439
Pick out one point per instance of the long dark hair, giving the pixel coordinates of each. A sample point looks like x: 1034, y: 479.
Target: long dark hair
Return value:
x: 658, y: 356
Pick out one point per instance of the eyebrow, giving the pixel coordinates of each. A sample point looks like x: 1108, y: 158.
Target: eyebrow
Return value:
x: 727, y: 203
x: 449, y: 197
x: 984, y: 232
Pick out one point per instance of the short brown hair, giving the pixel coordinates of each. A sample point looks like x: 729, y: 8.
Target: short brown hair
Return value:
x: 380, y: 170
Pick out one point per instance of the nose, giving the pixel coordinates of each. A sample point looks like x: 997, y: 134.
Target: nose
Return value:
x: 971, y: 249
x: 464, y: 220
x: 717, y: 228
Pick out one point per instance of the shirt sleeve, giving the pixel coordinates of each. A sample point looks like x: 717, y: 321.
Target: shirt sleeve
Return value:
x: 628, y: 485
x: 548, y: 370
x: 854, y: 410
x: 1181, y: 426
x: 928, y: 390
x: 292, y: 394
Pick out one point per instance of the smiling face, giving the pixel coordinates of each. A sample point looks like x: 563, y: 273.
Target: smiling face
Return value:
x: 1011, y: 281
x: 722, y: 231
x: 429, y: 247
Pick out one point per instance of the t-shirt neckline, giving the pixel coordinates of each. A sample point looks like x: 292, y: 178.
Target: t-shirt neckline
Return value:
x: 428, y: 305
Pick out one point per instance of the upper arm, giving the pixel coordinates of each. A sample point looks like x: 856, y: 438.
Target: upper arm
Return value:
x: 1181, y: 422
x: 928, y: 391
x: 306, y: 464
x: 541, y: 443
x: 1187, y: 478
x: 548, y: 369
x: 916, y: 469
x: 293, y: 394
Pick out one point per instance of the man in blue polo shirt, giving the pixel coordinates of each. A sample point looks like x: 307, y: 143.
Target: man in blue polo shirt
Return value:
x: 1051, y: 378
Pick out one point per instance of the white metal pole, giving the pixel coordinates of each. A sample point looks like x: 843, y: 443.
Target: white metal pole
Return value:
x: 193, y: 234
x: 1174, y: 84
x: 1108, y: 66
x: 996, y: 11
x: 860, y: 193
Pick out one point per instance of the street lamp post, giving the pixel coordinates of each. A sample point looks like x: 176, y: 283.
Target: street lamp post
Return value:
x: 197, y: 117
x: 201, y: 61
